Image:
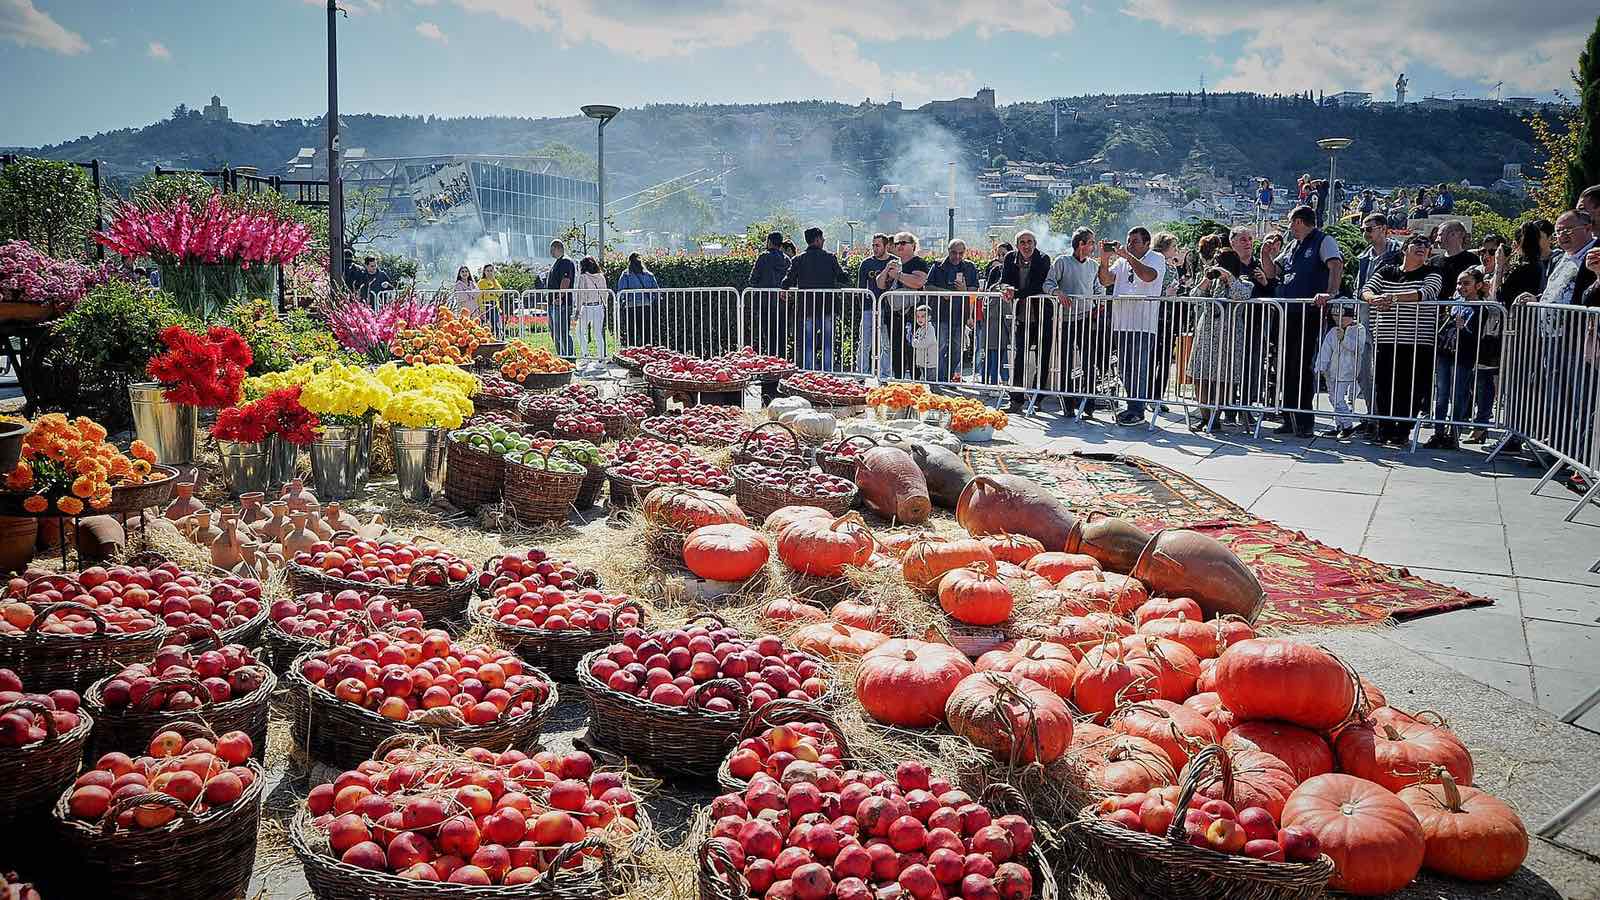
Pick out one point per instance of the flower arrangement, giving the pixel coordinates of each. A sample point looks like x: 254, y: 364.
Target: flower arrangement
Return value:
x: 520, y: 359
x: 279, y: 412
x: 368, y: 331
x: 405, y: 378
x: 338, y: 393
x: 277, y: 340
x: 897, y: 395
x: 172, y: 233
x: 201, y: 370
x: 450, y: 338
x: 29, y: 276
x: 427, y: 396
x: 67, y: 462
x: 967, y: 414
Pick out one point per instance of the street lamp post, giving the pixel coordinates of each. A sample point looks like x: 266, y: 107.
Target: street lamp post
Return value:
x: 951, y: 231
x: 852, y: 225
x: 603, y: 113
x: 1333, y: 146
x: 335, y: 189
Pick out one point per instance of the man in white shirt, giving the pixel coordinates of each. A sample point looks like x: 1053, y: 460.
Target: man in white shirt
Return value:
x: 1570, y: 408
x: 1137, y: 273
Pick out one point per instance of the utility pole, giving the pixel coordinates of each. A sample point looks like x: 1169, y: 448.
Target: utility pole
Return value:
x: 335, y: 189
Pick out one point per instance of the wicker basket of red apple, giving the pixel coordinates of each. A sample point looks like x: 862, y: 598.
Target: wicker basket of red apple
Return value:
x: 673, y: 699
x: 437, y: 822
x: 227, y: 610
x: 350, y: 698
x: 778, y: 734
x: 65, y: 634
x: 825, y: 390
x: 41, y: 746
x: 763, y: 368
x: 554, y: 614
x: 705, y: 426
x: 642, y: 464
x: 907, y: 835
x: 227, y: 688
x: 426, y: 578
x: 696, y: 376
x: 323, y: 618
x: 634, y: 359
x: 178, y: 823
x: 1174, y: 842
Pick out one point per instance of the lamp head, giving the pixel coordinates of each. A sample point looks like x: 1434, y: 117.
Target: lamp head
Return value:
x: 1332, y: 144
x: 605, y: 112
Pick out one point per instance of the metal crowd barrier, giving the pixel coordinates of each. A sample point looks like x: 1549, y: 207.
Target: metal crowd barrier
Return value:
x: 814, y: 329
x: 702, y: 322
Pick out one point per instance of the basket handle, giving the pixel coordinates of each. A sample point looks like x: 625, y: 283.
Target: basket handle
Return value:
x: 535, y: 687
x: 164, y: 685
x: 839, y: 445
x: 108, y: 822
x: 707, y: 616
x: 430, y: 564
x: 199, y: 629
x: 568, y: 851
x: 728, y: 686
x: 50, y: 579
x: 1213, y: 755
x: 744, y: 445
x: 784, y: 712
x: 726, y: 878
x: 189, y: 729
x: 38, y: 709
x: 629, y: 603
x: 68, y: 606
x: 396, y: 741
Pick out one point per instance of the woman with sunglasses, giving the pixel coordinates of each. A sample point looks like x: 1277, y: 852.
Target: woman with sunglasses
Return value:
x: 1402, y: 334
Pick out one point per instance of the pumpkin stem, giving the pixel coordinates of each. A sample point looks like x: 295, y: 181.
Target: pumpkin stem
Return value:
x: 910, y: 655
x: 1390, y: 733
x: 1452, y: 793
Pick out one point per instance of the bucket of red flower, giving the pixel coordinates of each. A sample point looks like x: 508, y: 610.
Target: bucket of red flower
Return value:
x: 254, y: 438
x: 427, y: 578
x: 205, y: 370
x: 351, y: 697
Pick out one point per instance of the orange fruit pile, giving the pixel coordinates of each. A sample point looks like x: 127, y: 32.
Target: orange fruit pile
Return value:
x: 451, y: 338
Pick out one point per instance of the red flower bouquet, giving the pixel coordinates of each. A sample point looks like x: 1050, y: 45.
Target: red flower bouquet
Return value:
x: 202, y: 370
x: 278, y: 413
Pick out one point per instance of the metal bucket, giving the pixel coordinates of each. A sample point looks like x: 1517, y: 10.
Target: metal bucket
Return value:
x: 339, y: 460
x: 168, y: 428
x: 419, y: 460
x: 246, y: 465
x: 280, y: 460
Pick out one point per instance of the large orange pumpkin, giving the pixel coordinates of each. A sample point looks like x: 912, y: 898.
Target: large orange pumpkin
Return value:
x: 926, y: 561
x: 1013, y: 548
x: 1397, y: 753
x: 727, y: 552
x: 794, y: 610
x: 823, y: 547
x: 1166, y: 608
x: 1277, y: 678
x: 1259, y: 779
x: 1015, y: 718
x: 1131, y: 764
x: 1109, y: 674
x: 1208, y: 704
x: 1054, y: 565
x: 1018, y: 577
x: 1192, y: 633
x: 836, y: 640
x: 1106, y: 591
x: 1052, y: 665
x: 1082, y: 632
x: 1467, y: 833
x: 861, y: 614
x: 1091, y: 742
x: 784, y: 516
x: 906, y: 682
x: 684, y: 509
x: 1231, y: 629
x: 1374, y: 839
x: 975, y: 595
x: 1305, y: 752
x: 897, y: 541
x: 1176, y: 729
x: 1373, y: 697
x: 1177, y: 667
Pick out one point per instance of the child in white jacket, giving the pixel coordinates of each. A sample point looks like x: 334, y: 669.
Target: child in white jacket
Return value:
x: 924, y: 345
x: 1339, y: 363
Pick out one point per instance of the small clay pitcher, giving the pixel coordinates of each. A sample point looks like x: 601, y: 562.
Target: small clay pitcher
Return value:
x: 1115, y: 543
x: 251, y: 509
x: 300, y: 536
x: 225, y: 550
x: 297, y: 495
x: 272, y: 529
x: 184, y: 504
x: 205, y: 534
x: 315, y: 522
x: 333, y: 513
x: 1179, y: 562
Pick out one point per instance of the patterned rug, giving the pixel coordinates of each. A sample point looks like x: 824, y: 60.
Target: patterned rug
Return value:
x: 1307, y: 583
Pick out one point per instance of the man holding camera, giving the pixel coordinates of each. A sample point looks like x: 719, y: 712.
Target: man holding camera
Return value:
x: 906, y: 271
x: 1135, y: 281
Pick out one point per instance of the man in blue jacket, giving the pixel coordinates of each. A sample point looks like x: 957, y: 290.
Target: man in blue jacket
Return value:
x: 816, y: 270
x: 956, y: 275
x: 768, y: 322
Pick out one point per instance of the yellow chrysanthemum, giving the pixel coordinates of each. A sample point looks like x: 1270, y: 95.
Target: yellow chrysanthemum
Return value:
x: 70, y: 505
x: 36, y: 504
x: 140, y: 467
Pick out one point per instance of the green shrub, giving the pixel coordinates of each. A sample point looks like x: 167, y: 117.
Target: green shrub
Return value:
x: 279, y: 341
x: 104, y: 345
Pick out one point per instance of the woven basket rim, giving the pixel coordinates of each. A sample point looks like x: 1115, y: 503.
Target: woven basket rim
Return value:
x: 161, y: 632
x: 80, y: 733
x: 477, y: 611
x: 824, y: 398
x: 588, y: 682
x: 248, y: 802
x: 392, y: 591
x: 239, y: 634
x: 1217, y: 864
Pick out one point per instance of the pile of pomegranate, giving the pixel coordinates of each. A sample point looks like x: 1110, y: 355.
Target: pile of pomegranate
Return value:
x: 582, y: 424
x: 385, y: 563
x: 644, y: 356
x: 22, y: 727
x: 700, y: 425
x: 226, y: 673
x: 481, y: 818
x: 774, y: 447
x: 684, y: 368
x: 799, y: 484
x: 412, y: 673
x: 496, y: 388
x: 776, y: 748
x: 1212, y: 824
x: 321, y: 615
x: 655, y: 462
x: 825, y: 383
x: 535, y: 568
x: 820, y: 833
x: 203, y: 774
x: 747, y: 360
x: 672, y: 667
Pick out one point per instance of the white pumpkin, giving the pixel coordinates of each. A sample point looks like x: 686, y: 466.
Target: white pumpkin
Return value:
x: 870, y: 427
x: 812, y: 425
x: 932, y: 434
x: 777, y: 408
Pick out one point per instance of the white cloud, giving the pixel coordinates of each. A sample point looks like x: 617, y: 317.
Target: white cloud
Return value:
x: 424, y: 2
x: 827, y: 35
x: 158, y: 50
x: 431, y: 32
x: 1366, y: 44
x: 26, y: 25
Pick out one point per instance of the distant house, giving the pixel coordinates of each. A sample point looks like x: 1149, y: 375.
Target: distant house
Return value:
x: 215, y: 112
x: 1350, y: 99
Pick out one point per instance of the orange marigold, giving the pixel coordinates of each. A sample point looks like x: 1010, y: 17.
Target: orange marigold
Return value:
x: 85, y: 486
x: 19, y: 478
x: 100, y: 501
x: 36, y: 504
x: 69, y: 505
x: 90, y: 429
x: 141, y: 451
x: 139, y: 469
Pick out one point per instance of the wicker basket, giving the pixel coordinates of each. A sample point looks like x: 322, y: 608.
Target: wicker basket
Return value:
x: 343, y: 734
x: 74, y: 661
x: 781, y: 712
x: 547, y: 381
x: 1136, y: 864
x: 194, y: 857
x: 693, y: 385
x: 822, y: 400
x: 619, y: 425
x: 34, y: 775
x: 132, y: 498
x: 831, y: 461
x: 589, y: 491
x: 555, y: 652
x: 279, y: 649
x: 439, y: 602
x: 742, y: 452
x: 473, y: 478
x: 129, y: 730
x: 542, y: 496
x: 756, y: 499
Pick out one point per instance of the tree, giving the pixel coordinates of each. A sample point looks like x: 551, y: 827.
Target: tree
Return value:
x: 582, y: 240
x: 1101, y: 207
x: 49, y: 204
x: 673, y: 209
x: 180, y: 112
x: 1484, y: 220
x: 367, y: 220
x: 1043, y: 202
x: 755, y: 234
x: 1558, y: 144
x: 569, y: 160
x: 1583, y: 167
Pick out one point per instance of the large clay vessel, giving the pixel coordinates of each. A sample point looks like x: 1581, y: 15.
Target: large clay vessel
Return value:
x: 995, y: 504
x: 1179, y: 562
x: 1115, y: 543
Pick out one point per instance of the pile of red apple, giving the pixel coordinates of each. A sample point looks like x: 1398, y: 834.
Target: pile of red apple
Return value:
x: 496, y: 418
x: 22, y: 727
x: 773, y: 447
x: 496, y: 388
x: 684, y: 368
x: 411, y: 672
x: 747, y: 360
x: 553, y: 404
x: 225, y: 673
x: 671, y: 667
x: 385, y: 563
x: 801, y: 485
x: 1213, y: 824
x: 534, y: 602
x: 781, y: 746
x: 654, y: 462
x: 644, y: 356
x: 203, y: 774
x: 488, y: 819
x: 582, y: 424
x: 825, y: 383
x: 131, y: 599
x: 535, y: 568
x: 821, y: 834
x: 323, y: 615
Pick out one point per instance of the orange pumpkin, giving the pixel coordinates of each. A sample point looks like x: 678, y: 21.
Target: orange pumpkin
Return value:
x: 1231, y: 629
x: 926, y: 561
x: 1372, y: 696
x: 1082, y: 632
x: 1012, y: 548
x: 1013, y: 717
x: 1259, y: 779
x: 684, y: 509
x: 1176, y: 729
x: 1177, y: 667
x: 784, y: 516
x: 823, y: 547
x: 1091, y: 743
x: 727, y: 552
x: 1207, y: 682
x: 1277, y: 678
x: 975, y: 595
x: 793, y: 609
x: 1107, y: 591
x: 1018, y: 577
x: 861, y: 614
x: 1376, y: 843
x: 1208, y: 704
x: 1167, y: 608
x: 1305, y: 752
x: 906, y: 682
x: 1054, y: 565
x: 1052, y: 665
x: 1399, y: 753
x: 898, y: 540
x: 1108, y: 674
x: 836, y: 640
x: 1467, y: 833
x: 1132, y: 764
x: 1198, y: 636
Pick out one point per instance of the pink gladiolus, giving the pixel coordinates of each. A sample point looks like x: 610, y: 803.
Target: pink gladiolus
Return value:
x: 174, y: 234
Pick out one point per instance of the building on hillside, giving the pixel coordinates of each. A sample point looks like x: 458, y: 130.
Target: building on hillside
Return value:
x: 980, y: 104
x: 1521, y: 103
x: 1511, y: 181
x: 215, y: 111
x: 1351, y: 99
x: 1013, y: 203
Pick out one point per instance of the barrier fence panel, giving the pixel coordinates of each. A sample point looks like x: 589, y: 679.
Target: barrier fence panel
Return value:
x: 965, y: 342
x: 1551, y: 382
x: 824, y: 330
x: 701, y: 322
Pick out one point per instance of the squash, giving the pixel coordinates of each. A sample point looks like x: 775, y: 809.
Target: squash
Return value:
x: 727, y: 552
x: 1295, y: 682
x: 892, y: 486
x: 975, y: 595
x: 1207, y: 682
x: 1015, y: 718
x: 1259, y: 779
x: 813, y: 426
x: 1109, y: 674
x: 1017, y: 577
x: 1091, y: 743
x: 1232, y: 629
x: 784, y: 516
x: 1376, y: 843
x: 823, y: 547
x: 1016, y: 549
x: 1166, y: 608
x: 907, y: 682
x: 1131, y: 764
x: 993, y: 504
x: 896, y: 541
x: 1175, y: 728
x: 792, y: 609
x: 783, y: 405
x: 1467, y: 833
x: 1305, y: 752
x: 861, y: 614
x: 1398, y: 753
x: 927, y: 560
x: 1198, y: 636
x: 1051, y: 665
x: 1055, y: 565
x: 1177, y: 667
x: 945, y: 473
x: 1210, y: 705
x: 1082, y: 632
x: 682, y: 509
x: 1105, y: 591
x: 836, y: 640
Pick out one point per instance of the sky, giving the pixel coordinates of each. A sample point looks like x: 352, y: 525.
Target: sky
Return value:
x: 76, y: 67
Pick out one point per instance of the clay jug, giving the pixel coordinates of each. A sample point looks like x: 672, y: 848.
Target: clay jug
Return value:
x: 251, y: 509
x: 272, y: 529
x: 205, y: 533
x: 374, y: 530
x: 297, y: 495
x: 333, y: 513
x: 1179, y: 562
x: 225, y: 550
x: 184, y: 504
x: 1115, y: 543
x: 316, y: 523
x: 300, y: 536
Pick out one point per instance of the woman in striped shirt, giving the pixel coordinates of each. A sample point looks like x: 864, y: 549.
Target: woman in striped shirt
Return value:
x: 1402, y: 339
